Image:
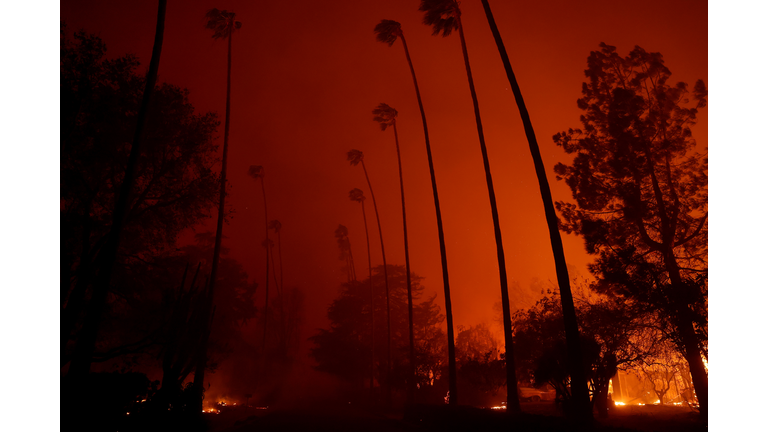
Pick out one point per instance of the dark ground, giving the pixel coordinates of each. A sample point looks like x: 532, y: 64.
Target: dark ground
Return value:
x: 541, y: 416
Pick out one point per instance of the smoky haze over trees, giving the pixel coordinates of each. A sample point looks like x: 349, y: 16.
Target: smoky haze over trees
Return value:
x: 604, y: 294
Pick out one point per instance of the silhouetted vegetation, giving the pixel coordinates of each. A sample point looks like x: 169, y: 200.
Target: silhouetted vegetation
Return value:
x: 152, y: 304
x: 343, y: 350
x: 641, y: 192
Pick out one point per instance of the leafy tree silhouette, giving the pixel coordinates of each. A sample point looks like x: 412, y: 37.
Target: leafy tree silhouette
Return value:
x: 86, y: 342
x: 641, y: 191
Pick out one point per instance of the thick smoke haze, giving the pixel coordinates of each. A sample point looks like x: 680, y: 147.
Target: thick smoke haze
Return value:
x: 306, y: 76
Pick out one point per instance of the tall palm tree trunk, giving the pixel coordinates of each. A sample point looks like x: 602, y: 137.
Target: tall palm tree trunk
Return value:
x: 266, y: 285
x: 370, y: 287
x: 412, y: 356
x: 200, y: 372
x: 280, y: 256
x: 86, y: 343
x: 441, y: 238
x: 387, y: 385
x: 579, y: 389
x: 513, y: 402
x: 281, y: 325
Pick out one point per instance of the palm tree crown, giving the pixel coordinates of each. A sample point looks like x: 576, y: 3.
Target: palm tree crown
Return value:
x: 275, y: 226
x: 356, y: 194
x: 354, y: 157
x: 221, y: 22
x: 441, y: 15
x: 256, y: 171
x: 387, y: 31
x: 385, y: 115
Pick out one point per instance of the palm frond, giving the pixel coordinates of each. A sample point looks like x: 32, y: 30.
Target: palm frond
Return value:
x: 387, y: 31
x: 385, y: 115
x: 440, y: 15
x: 354, y: 157
x: 356, y: 195
x: 342, y: 231
x: 256, y: 171
x: 221, y: 22
x: 275, y: 225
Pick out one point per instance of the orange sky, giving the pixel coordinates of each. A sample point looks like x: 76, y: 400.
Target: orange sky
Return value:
x: 306, y: 76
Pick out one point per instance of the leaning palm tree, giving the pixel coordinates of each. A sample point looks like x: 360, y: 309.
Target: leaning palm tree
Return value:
x: 257, y: 173
x: 356, y: 195
x: 223, y: 25
x: 444, y: 16
x: 387, y: 31
x: 356, y: 157
x: 86, y: 341
x: 386, y: 116
x: 579, y: 391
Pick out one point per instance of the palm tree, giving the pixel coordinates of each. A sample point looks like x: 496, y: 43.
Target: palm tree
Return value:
x: 257, y: 173
x: 345, y: 247
x: 444, y: 16
x: 223, y: 25
x: 386, y: 116
x: 579, y: 391
x: 86, y: 342
x: 387, y: 31
x: 356, y: 157
x: 276, y: 226
x: 356, y: 195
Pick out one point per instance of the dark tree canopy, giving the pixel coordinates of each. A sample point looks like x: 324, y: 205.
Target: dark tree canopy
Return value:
x: 641, y: 192
x: 639, y: 184
x: 175, y: 185
x: 175, y: 182
x: 344, y: 349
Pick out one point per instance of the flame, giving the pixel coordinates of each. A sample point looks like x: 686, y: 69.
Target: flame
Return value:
x: 498, y: 407
x: 618, y: 403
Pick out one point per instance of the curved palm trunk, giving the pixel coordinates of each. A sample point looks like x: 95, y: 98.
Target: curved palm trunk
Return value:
x: 388, y: 387
x: 222, y: 190
x: 513, y: 402
x: 86, y: 343
x: 579, y: 390
x: 370, y: 287
x: 266, y: 285
x: 441, y: 238
x: 412, y: 355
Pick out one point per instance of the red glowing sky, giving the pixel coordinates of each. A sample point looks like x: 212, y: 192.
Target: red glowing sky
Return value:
x: 306, y: 76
